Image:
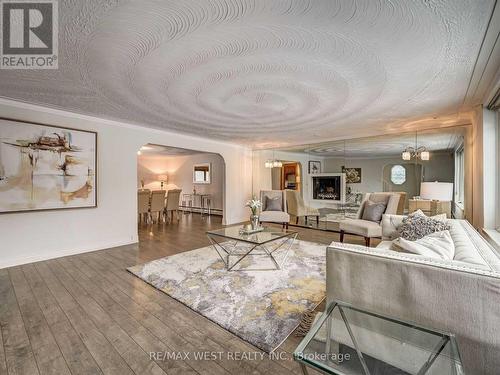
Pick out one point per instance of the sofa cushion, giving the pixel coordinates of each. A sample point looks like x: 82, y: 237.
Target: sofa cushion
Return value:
x: 470, y: 247
x: 361, y: 227
x: 416, y: 226
x: 391, y: 223
x: 435, y: 245
x: 373, y: 211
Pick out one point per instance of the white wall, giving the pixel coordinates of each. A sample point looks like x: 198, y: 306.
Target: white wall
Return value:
x: 440, y: 168
x: 27, y: 237
x: 180, y: 174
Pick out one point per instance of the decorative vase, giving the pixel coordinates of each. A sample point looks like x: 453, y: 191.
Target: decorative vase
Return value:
x: 254, y: 219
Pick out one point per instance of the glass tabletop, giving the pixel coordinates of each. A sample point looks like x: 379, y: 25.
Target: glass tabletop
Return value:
x: 267, y: 235
x: 361, y: 342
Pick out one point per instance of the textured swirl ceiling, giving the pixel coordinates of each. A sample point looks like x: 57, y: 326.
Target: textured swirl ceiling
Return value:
x: 438, y: 140
x: 261, y: 72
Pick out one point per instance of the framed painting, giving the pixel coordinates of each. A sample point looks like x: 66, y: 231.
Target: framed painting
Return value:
x: 45, y: 167
x: 352, y: 175
x: 314, y: 167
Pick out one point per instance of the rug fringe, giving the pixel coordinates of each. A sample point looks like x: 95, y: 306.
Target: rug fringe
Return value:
x: 305, y: 323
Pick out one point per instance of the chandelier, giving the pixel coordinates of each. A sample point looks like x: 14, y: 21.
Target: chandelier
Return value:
x: 417, y: 153
x: 273, y: 163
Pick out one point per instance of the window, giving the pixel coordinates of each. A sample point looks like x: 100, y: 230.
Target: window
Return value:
x: 398, y: 175
x: 459, y: 175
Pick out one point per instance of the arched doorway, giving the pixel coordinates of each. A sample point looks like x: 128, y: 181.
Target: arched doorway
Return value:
x: 190, y: 183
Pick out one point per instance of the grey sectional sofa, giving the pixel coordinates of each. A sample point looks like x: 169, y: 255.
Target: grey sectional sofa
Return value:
x: 461, y: 296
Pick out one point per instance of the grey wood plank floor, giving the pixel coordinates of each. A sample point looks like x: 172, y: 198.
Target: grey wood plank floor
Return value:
x: 85, y: 314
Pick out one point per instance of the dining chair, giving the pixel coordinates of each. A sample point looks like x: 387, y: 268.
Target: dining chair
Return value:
x: 157, y: 203
x: 143, y: 205
x: 172, y: 204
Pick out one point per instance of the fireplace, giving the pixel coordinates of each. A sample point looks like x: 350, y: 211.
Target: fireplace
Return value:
x: 328, y: 187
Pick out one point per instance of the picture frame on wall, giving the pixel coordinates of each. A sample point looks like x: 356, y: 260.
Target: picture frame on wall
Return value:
x: 46, y: 167
x: 314, y: 166
x: 352, y: 175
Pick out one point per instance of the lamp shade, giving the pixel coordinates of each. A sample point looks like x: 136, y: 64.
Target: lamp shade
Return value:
x: 163, y: 177
x: 440, y: 191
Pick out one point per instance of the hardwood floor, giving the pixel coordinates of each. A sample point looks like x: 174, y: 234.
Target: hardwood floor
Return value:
x: 85, y: 314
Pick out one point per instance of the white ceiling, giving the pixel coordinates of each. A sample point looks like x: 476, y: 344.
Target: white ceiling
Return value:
x: 262, y: 72
x: 441, y: 140
x: 151, y: 150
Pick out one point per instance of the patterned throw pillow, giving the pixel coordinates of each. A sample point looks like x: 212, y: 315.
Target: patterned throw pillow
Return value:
x: 417, y: 226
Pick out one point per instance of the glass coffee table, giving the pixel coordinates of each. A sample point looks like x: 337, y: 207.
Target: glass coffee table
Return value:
x: 230, y: 243
x: 346, y: 340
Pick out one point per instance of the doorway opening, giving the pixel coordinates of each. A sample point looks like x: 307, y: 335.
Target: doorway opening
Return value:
x: 175, y: 184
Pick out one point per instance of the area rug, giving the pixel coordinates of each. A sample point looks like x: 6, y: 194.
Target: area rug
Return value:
x: 260, y: 306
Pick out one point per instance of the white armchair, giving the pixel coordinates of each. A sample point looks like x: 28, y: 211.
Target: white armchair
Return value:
x: 365, y: 228
x: 270, y: 215
x: 296, y: 206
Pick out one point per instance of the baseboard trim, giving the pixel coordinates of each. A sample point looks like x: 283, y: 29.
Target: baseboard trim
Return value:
x: 60, y: 254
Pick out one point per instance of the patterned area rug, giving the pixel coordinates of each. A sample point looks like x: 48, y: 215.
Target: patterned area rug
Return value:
x: 261, y: 306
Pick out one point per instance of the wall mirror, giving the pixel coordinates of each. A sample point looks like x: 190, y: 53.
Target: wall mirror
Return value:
x: 201, y: 173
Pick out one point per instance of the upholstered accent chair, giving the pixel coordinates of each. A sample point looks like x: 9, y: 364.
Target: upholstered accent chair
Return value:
x: 366, y: 228
x: 271, y: 214
x: 297, y: 207
x: 402, y: 202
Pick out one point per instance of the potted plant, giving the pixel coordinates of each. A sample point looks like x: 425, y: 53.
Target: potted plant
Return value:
x: 254, y: 205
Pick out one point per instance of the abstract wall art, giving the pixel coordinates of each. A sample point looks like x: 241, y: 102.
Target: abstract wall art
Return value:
x: 46, y: 167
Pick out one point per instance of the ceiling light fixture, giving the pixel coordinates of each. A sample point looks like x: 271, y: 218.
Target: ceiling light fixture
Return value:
x: 417, y: 153
x: 273, y: 163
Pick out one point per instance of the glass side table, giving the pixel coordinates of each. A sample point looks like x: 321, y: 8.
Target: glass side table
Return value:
x: 347, y: 341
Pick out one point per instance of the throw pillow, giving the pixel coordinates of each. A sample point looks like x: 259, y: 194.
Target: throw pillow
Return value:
x: 436, y: 245
x: 273, y: 204
x: 415, y: 227
x: 373, y: 211
x: 440, y: 217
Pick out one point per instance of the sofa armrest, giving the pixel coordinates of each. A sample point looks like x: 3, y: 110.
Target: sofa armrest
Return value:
x: 448, y: 297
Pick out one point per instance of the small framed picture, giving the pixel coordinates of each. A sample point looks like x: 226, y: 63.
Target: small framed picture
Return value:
x: 314, y: 166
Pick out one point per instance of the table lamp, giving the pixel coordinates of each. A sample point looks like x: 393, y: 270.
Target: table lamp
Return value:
x: 436, y: 191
